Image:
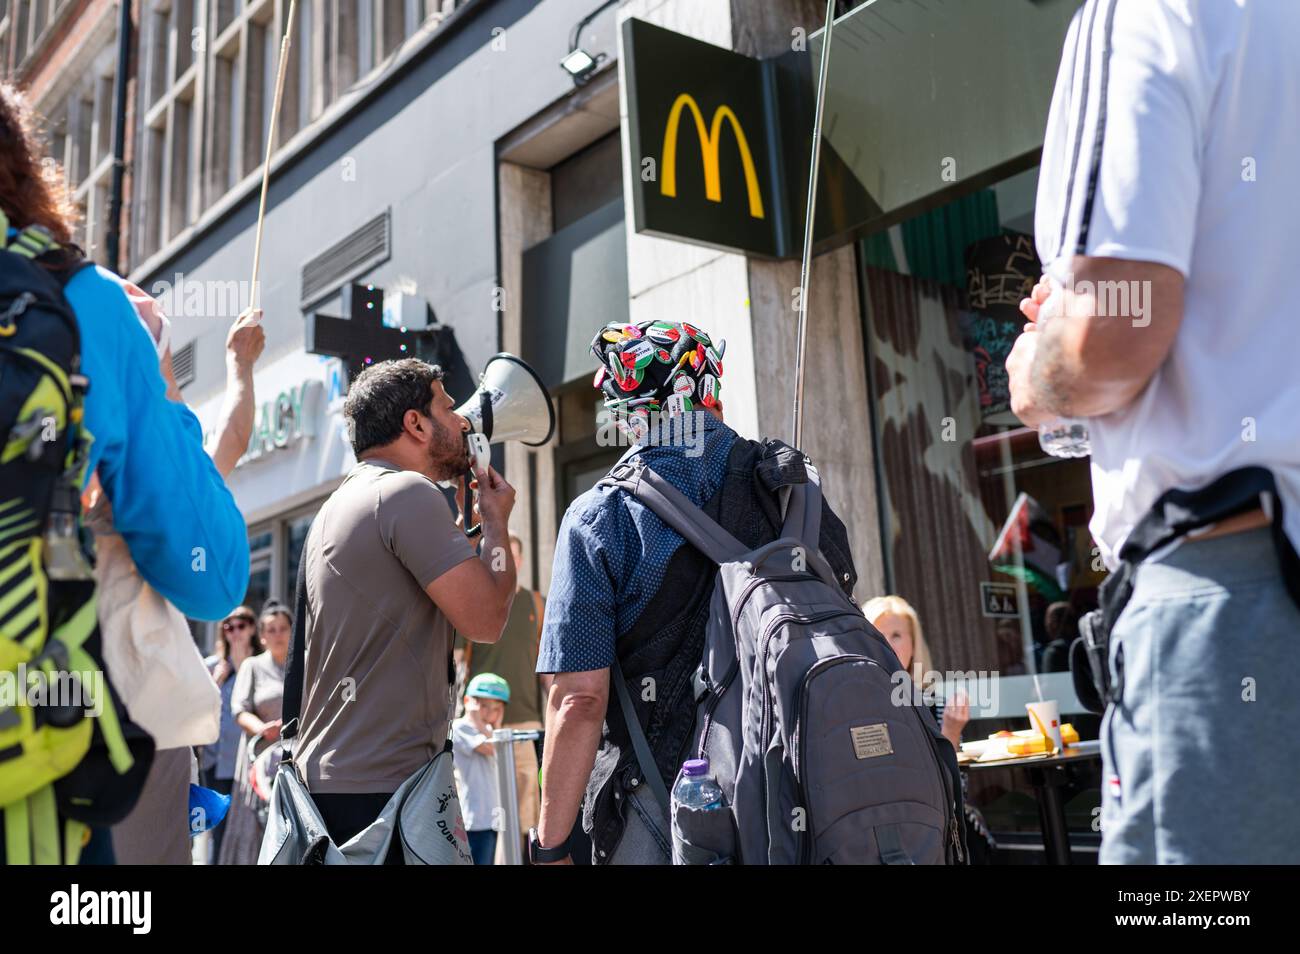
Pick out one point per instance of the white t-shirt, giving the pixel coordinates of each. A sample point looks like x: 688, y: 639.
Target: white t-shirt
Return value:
x: 1198, y: 169
x: 476, y: 775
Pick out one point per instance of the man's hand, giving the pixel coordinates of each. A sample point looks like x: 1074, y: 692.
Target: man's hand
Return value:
x: 1020, y: 363
x: 1100, y: 341
x: 1025, y: 403
x: 245, y: 341
x: 1030, y: 307
x: 494, y: 498
x: 476, y: 594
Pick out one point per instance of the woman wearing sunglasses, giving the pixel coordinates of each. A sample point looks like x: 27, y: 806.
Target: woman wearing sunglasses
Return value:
x: 237, y: 640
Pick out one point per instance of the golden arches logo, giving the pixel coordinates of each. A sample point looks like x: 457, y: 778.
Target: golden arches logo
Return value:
x: 709, y: 148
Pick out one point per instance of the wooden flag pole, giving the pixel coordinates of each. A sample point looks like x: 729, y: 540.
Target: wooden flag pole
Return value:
x: 270, y: 146
x: 802, y: 336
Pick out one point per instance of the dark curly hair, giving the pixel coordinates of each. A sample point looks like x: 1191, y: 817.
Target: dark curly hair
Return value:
x: 32, y: 189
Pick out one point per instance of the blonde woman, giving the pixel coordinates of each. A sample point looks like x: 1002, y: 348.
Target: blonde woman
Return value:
x: 899, y: 624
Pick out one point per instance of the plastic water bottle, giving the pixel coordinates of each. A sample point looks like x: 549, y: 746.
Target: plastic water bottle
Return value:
x: 1065, y: 436
x: 696, y: 789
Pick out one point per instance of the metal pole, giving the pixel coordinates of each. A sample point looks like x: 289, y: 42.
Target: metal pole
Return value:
x: 113, y: 239
x: 503, y: 740
x: 270, y: 147
x: 801, y: 342
x: 1022, y: 590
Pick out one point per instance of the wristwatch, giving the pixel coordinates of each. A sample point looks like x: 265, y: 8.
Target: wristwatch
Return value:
x: 537, y: 855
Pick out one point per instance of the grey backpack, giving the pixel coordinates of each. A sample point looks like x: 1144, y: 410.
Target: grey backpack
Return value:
x: 803, y: 711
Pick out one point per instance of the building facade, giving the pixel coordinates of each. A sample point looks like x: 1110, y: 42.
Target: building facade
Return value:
x: 434, y: 160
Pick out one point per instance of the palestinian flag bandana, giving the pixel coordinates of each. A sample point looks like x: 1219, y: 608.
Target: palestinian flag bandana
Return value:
x: 657, y: 367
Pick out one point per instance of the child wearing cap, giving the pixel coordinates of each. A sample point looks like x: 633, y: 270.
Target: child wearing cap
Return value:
x: 475, y: 757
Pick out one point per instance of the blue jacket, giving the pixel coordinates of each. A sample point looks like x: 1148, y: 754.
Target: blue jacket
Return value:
x: 179, y: 520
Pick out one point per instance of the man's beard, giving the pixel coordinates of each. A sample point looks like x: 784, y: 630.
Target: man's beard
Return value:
x: 448, y: 453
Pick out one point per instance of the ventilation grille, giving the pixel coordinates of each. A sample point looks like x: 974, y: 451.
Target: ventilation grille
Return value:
x: 183, y: 365
x: 355, y: 255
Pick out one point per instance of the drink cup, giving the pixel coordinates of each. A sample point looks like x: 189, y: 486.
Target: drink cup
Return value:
x: 1046, y: 718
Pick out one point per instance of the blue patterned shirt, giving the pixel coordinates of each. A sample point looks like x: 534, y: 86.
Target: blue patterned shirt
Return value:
x: 613, y: 552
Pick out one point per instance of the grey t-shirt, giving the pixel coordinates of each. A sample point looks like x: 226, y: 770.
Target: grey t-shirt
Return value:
x: 376, y: 695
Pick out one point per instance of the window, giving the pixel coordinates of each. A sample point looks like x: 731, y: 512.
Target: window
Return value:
x: 295, y: 538
x: 79, y: 136
x: 260, y: 556
x: 31, y: 22
x: 941, y: 295
x: 207, y: 85
x: 168, y: 190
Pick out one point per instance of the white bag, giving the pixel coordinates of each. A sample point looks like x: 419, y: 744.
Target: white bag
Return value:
x: 150, y: 656
x: 423, y: 814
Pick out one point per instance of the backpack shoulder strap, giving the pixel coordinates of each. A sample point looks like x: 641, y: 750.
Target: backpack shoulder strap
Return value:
x: 294, y: 671
x: 640, y: 744
x: 803, y: 513
x: 675, y: 509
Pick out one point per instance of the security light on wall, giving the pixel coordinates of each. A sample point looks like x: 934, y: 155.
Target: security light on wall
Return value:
x: 580, y: 64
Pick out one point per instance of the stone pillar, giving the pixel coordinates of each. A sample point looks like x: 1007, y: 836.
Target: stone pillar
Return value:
x: 525, y: 212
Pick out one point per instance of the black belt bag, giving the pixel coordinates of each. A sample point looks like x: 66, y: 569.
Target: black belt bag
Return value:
x: 1176, y: 514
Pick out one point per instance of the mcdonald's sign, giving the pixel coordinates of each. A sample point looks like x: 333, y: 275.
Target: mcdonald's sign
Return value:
x: 709, y: 146
x: 702, y: 143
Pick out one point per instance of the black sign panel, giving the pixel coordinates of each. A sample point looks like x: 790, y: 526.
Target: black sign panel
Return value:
x: 701, y: 143
x: 361, y: 338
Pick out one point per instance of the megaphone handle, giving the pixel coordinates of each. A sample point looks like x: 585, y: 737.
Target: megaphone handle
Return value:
x: 467, y: 507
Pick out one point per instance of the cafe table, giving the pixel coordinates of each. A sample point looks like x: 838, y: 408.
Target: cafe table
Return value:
x: 1047, y: 773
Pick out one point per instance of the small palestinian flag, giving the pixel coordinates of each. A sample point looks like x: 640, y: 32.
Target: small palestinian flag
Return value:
x: 661, y: 332
x: 638, y: 355
x: 633, y: 380
x: 678, y: 404
x: 709, y: 389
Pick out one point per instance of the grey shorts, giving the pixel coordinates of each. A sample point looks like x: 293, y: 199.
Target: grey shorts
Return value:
x: 1201, y: 755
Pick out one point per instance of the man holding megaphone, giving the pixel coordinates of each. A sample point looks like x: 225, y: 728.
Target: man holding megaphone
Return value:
x: 388, y: 574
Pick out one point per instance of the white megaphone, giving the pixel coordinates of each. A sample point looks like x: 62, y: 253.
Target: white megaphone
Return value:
x: 511, y: 404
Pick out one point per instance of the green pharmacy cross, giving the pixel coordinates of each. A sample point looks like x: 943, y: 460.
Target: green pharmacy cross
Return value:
x: 361, y: 338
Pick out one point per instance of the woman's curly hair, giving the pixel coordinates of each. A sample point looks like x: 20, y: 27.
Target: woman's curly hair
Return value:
x: 32, y: 188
